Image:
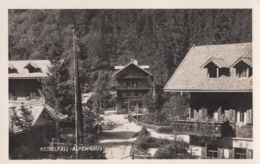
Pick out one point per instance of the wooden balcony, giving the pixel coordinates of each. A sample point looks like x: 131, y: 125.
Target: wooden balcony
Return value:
x: 136, y: 98
x: 198, y: 128
x: 26, y: 101
x: 129, y: 87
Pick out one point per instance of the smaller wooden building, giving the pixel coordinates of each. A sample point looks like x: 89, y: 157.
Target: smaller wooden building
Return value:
x: 132, y: 82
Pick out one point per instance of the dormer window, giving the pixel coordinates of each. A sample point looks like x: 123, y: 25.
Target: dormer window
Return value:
x: 212, y: 72
x: 241, y: 71
x: 12, y: 69
x: 216, y: 67
x: 32, y: 68
x: 243, y: 67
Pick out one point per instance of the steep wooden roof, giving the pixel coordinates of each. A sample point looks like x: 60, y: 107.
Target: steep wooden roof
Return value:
x: 22, y: 71
x: 131, y: 63
x: 192, y: 76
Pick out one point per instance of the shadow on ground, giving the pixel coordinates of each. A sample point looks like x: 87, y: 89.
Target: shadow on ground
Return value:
x: 116, y: 144
x: 117, y: 135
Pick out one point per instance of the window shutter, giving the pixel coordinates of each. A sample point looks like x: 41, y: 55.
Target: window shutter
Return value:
x: 231, y: 154
x: 204, y: 152
x: 219, y: 113
x: 227, y: 114
x: 220, y: 153
x: 204, y: 113
x: 249, y: 116
x: 233, y: 115
x: 249, y: 154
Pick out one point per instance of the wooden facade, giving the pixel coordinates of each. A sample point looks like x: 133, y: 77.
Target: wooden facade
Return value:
x: 219, y: 79
x: 132, y: 83
x: 25, y: 90
x: 235, y: 107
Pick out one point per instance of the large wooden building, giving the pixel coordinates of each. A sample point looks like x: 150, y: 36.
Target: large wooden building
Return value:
x: 219, y: 79
x: 25, y: 80
x: 132, y: 82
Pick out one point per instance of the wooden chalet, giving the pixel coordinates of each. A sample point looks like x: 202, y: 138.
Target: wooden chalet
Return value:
x: 25, y: 80
x: 131, y: 83
x: 219, y: 79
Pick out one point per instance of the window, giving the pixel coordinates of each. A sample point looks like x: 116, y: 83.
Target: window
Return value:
x: 132, y: 94
x: 123, y: 106
x: 241, y: 71
x: 140, y: 94
x: 212, y: 72
x: 212, y: 151
x: 124, y: 94
x: 12, y: 70
x: 133, y: 83
x: 240, y: 116
x: 240, y: 153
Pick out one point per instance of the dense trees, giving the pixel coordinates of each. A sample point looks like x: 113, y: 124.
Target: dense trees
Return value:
x: 105, y: 38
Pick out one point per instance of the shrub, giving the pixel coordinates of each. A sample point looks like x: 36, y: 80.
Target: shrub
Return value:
x: 165, y: 130
x: 145, y: 142
x: 245, y: 131
x: 172, y: 151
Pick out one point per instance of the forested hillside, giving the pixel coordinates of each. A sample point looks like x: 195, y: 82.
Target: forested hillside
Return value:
x: 105, y: 38
x: 159, y: 38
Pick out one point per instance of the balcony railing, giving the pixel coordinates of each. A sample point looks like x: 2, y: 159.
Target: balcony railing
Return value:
x: 130, y: 98
x: 198, y: 128
x: 26, y: 101
x: 130, y: 87
x: 203, y: 127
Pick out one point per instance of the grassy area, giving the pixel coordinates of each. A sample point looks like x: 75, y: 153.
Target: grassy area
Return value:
x: 152, y: 119
x: 167, y: 149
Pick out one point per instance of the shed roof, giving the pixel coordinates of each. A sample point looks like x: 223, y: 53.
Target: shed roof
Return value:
x: 190, y: 76
x: 36, y: 111
x: 22, y: 71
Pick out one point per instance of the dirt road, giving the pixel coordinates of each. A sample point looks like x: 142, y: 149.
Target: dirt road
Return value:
x: 118, y: 141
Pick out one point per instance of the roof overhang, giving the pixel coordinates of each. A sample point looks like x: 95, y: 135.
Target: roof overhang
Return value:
x: 219, y: 62
x: 27, y: 77
x: 30, y: 64
x: 134, y: 65
x: 196, y: 90
x: 246, y: 60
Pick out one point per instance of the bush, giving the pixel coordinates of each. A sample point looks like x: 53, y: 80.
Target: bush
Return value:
x: 245, y: 131
x: 165, y: 130
x: 145, y: 142
x: 172, y: 151
x: 157, y: 119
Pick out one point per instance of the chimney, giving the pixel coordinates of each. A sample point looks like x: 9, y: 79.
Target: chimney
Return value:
x: 134, y: 61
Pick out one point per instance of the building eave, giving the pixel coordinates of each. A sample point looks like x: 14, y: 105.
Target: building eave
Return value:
x: 197, y: 90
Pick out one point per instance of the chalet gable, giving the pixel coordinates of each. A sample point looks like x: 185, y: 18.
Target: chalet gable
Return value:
x: 131, y: 68
x: 243, y: 67
x: 12, y: 69
x: 32, y: 67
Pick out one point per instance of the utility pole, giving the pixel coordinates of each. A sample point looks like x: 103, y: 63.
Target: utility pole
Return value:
x: 55, y: 62
x: 78, y: 105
